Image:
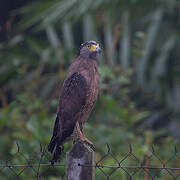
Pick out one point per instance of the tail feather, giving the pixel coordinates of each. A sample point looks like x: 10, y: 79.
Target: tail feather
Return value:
x: 57, y: 154
x: 59, y: 136
x: 55, y: 146
x: 56, y: 135
x: 52, y: 145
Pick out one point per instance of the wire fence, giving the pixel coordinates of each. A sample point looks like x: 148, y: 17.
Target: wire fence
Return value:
x: 39, y: 166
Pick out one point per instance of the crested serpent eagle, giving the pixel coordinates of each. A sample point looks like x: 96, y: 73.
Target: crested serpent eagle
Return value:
x: 77, y: 98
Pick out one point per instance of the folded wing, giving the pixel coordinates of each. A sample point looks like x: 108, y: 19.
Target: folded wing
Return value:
x: 72, y: 99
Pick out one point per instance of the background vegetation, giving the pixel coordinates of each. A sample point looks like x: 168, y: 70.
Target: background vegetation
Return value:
x: 139, y: 99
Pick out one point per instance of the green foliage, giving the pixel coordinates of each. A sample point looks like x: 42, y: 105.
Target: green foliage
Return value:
x: 139, y: 78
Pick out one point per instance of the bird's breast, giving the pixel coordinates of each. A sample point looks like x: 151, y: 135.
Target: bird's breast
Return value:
x: 92, y: 79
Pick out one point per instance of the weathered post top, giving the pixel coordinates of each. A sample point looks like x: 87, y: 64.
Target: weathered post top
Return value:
x: 80, y: 154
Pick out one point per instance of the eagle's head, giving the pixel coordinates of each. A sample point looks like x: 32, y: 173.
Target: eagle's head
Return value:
x: 90, y: 50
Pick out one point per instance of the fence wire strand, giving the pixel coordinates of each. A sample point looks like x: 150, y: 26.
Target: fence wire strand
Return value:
x: 43, y: 161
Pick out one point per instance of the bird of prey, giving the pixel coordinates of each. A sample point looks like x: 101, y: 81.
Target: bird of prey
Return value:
x: 77, y: 98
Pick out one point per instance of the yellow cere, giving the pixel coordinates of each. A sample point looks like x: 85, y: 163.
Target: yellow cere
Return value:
x: 92, y: 47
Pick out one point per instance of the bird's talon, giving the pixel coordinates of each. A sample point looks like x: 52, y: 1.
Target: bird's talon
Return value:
x: 86, y: 141
x: 92, y: 147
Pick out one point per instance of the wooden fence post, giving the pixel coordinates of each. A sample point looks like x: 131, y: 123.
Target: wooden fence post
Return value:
x: 80, y: 154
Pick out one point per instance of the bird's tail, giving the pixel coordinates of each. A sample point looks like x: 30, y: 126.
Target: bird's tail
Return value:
x: 57, y: 147
x: 57, y: 153
x: 59, y: 136
x: 56, y: 144
x: 52, y: 144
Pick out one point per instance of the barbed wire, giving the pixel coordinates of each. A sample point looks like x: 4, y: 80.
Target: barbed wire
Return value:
x: 43, y: 161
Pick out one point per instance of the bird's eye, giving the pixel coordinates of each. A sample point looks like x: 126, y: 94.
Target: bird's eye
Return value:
x: 88, y: 46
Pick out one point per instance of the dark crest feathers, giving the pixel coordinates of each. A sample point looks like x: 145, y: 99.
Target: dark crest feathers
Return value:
x: 85, y: 43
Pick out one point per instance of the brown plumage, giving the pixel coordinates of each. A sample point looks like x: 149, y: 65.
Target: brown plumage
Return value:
x: 77, y: 98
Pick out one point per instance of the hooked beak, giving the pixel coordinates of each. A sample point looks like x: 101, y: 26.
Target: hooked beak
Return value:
x: 98, y: 50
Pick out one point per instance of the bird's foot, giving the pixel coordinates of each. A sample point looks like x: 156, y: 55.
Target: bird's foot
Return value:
x: 86, y: 141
